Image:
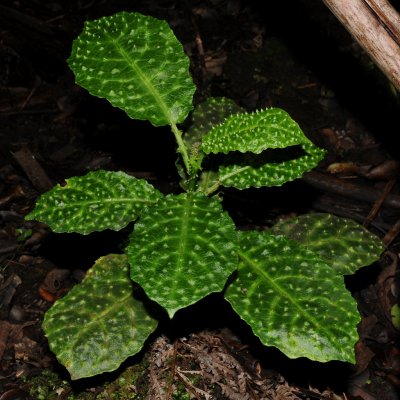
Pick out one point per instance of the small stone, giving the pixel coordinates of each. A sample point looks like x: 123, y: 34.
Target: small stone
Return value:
x: 17, y: 313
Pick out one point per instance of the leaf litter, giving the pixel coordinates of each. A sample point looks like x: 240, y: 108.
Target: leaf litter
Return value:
x: 215, y: 365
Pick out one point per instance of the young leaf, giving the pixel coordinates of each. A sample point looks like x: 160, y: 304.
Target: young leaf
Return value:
x: 182, y: 249
x: 291, y: 299
x: 341, y: 242
x: 99, y: 323
x: 94, y: 202
x: 254, y: 132
x: 137, y: 64
x: 271, y: 173
x: 208, y: 114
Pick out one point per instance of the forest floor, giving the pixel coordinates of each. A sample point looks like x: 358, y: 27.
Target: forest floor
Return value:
x: 295, y: 56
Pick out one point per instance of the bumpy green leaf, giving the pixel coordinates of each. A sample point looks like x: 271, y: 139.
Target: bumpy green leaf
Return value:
x: 137, y: 64
x: 254, y: 132
x: 99, y: 323
x: 182, y: 249
x: 253, y: 174
x: 291, y: 299
x: 257, y: 132
x: 341, y: 242
x: 94, y: 202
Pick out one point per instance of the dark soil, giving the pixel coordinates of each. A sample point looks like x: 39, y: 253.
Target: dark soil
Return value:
x: 290, y: 54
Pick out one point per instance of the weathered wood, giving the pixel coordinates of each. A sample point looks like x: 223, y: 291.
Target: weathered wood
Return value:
x: 388, y: 15
x: 375, y: 24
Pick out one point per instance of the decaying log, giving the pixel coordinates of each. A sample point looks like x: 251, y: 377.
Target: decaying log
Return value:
x: 375, y: 24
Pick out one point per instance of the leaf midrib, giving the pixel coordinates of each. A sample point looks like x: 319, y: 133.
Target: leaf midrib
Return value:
x: 223, y: 178
x: 101, y: 201
x: 98, y: 319
x: 142, y: 76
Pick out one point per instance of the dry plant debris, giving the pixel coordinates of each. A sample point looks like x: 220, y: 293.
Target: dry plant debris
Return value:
x: 207, y: 367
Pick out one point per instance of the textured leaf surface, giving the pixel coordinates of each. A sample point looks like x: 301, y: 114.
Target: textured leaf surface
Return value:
x: 182, y: 249
x: 341, y: 242
x: 94, y: 202
x: 99, y: 323
x: 271, y: 173
x: 291, y: 299
x: 254, y: 132
x: 137, y: 64
x: 208, y: 114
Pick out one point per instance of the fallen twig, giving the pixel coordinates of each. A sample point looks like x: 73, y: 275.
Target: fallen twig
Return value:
x: 364, y: 193
x: 33, y: 169
x: 378, y: 204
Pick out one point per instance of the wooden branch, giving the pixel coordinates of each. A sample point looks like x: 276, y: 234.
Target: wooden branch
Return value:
x: 367, y: 194
x: 375, y: 24
x: 388, y: 15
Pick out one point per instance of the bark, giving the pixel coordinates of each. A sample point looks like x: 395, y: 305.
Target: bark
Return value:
x: 375, y: 24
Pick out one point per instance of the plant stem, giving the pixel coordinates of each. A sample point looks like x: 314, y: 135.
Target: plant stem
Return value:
x: 212, y: 188
x: 182, y: 149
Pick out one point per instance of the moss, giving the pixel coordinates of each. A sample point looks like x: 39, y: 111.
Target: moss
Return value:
x: 181, y: 394
x: 48, y: 386
x: 127, y: 386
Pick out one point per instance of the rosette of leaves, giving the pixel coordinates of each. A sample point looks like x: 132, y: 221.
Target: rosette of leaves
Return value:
x: 185, y: 246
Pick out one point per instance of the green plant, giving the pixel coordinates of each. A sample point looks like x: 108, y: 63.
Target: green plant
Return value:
x: 287, y: 282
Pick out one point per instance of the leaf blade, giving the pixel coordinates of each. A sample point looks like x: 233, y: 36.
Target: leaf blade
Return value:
x: 99, y: 323
x: 343, y: 243
x: 94, y: 202
x: 269, y: 174
x: 182, y: 249
x: 290, y: 306
x: 254, y: 132
x: 136, y: 63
